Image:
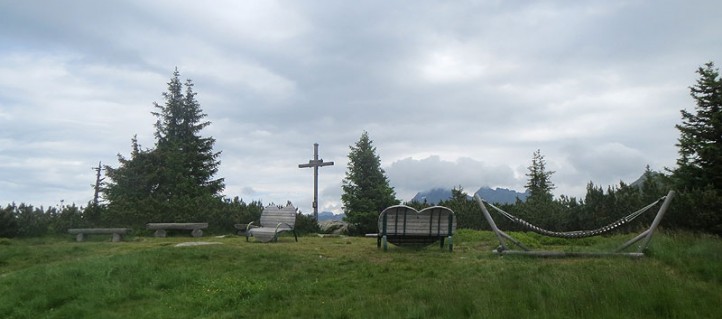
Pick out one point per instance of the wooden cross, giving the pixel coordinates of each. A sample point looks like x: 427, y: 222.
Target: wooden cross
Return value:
x: 315, y: 163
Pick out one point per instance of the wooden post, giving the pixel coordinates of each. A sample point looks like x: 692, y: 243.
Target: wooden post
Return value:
x: 97, y: 183
x: 315, y: 163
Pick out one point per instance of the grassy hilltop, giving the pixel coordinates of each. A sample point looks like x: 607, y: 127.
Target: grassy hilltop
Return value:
x: 349, y: 278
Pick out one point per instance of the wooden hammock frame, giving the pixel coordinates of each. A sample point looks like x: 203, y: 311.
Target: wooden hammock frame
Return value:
x: 642, y: 239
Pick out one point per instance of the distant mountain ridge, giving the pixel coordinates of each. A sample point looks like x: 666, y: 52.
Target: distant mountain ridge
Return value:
x: 324, y: 216
x: 501, y: 195
x: 495, y: 195
x: 657, y: 177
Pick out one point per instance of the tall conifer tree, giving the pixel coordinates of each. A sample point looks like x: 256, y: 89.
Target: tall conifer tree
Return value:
x: 700, y: 141
x: 190, y: 162
x: 539, y: 185
x: 699, y: 168
x: 366, y: 190
x: 175, y: 180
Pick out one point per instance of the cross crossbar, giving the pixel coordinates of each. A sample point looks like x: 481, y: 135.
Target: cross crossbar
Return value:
x: 315, y: 163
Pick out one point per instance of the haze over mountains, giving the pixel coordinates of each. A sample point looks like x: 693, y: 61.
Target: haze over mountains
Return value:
x: 495, y: 195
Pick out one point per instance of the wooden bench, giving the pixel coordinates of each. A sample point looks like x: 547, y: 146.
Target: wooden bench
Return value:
x: 241, y: 229
x: 116, y: 232
x: 161, y: 228
x: 274, y: 221
x: 402, y: 225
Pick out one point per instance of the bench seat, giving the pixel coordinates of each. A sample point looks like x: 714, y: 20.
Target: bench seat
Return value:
x: 161, y: 228
x: 241, y: 228
x: 116, y: 232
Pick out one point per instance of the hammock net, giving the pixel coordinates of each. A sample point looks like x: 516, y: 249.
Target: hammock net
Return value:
x: 576, y: 233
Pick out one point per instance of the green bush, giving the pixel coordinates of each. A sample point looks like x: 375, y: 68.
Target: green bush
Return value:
x: 8, y: 223
x: 306, y: 224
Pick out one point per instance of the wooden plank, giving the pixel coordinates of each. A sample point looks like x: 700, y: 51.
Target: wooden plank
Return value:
x: 403, y: 220
x: 272, y: 216
x: 262, y: 234
x: 413, y: 240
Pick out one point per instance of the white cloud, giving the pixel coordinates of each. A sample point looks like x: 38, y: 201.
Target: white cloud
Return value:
x: 457, y: 63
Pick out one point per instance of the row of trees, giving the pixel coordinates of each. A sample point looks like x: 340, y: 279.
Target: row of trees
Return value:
x: 29, y: 221
x: 175, y: 180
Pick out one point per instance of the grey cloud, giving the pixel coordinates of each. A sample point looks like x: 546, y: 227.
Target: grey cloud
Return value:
x: 484, y: 84
x: 605, y: 164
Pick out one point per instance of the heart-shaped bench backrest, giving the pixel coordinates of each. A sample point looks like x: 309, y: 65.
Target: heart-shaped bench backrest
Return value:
x: 404, y: 220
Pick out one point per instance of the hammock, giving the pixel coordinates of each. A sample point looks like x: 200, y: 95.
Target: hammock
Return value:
x: 576, y: 233
x: 644, y: 237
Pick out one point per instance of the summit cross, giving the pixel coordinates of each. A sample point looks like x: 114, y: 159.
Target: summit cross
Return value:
x: 315, y: 163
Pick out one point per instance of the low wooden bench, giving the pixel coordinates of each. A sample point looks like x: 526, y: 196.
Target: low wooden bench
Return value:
x: 274, y: 221
x: 116, y: 232
x: 241, y: 228
x: 402, y: 225
x: 161, y: 228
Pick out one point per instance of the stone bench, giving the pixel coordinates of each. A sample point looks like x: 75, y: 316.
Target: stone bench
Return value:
x: 116, y: 232
x: 161, y: 228
x: 402, y: 225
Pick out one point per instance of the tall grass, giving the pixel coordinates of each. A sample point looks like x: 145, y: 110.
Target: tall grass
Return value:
x: 350, y: 278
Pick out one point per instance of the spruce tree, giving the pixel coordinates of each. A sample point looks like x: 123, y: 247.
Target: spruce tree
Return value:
x: 190, y: 162
x: 698, y: 175
x: 134, y: 178
x: 539, y: 184
x: 700, y: 141
x: 366, y: 190
x: 175, y: 180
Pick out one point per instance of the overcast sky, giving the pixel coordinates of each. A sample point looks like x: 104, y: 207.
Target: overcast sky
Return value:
x: 452, y: 93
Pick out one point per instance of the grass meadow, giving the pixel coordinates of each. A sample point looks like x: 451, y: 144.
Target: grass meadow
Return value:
x: 348, y: 277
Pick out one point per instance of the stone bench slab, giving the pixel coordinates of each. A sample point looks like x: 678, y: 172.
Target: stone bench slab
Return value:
x: 98, y: 230
x: 116, y: 232
x: 160, y: 228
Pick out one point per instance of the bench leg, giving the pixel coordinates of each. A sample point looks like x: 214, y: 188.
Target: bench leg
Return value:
x: 160, y: 233
x: 117, y: 237
x: 79, y: 237
x: 197, y: 233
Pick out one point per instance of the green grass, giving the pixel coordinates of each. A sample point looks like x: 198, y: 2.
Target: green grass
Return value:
x: 350, y: 278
